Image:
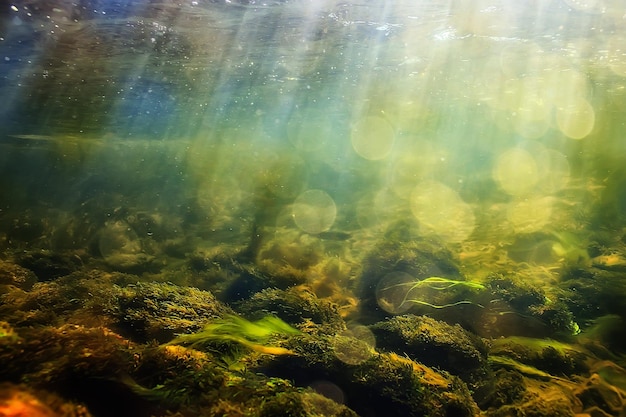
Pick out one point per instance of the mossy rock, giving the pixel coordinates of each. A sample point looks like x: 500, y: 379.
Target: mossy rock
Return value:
x: 49, y: 265
x: 372, y: 383
x: 81, y: 298
x: 157, y: 311
x: 419, y: 258
x: 142, y: 311
x: 547, y: 355
x: 439, y: 345
x: 518, y: 308
x: 16, y: 276
x: 296, y: 306
x: 307, y: 404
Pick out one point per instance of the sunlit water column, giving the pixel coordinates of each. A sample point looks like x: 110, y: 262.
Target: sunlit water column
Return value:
x: 462, y: 119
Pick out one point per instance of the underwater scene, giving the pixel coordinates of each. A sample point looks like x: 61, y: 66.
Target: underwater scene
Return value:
x: 305, y: 208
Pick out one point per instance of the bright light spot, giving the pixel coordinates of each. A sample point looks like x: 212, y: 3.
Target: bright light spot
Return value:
x: 576, y: 119
x: 328, y: 390
x: 566, y: 85
x: 392, y: 290
x: 387, y: 206
x: 314, y: 211
x: 352, y: 349
x: 441, y: 211
x: 529, y: 109
x: 554, y: 170
x: 410, y: 169
x: 355, y: 345
x: 516, y: 172
x: 372, y: 138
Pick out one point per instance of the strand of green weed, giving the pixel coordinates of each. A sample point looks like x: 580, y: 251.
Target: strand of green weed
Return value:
x: 439, y: 306
x: 435, y: 284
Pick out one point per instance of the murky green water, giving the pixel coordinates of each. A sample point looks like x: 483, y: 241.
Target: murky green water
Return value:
x: 462, y: 161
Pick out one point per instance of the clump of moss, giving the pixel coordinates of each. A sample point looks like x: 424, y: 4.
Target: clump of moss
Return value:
x: 297, y: 306
x: 6, y: 331
x: 157, y: 311
x: 80, y: 298
x: 47, y: 355
x: 16, y: 276
x: 440, y: 345
x: 419, y: 258
x: 76, y: 362
x: 195, y: 385
x: 520, y: 308
x: 550, y: 356
x: 141, y: 311
x: 509, y: 388
x: 384, y: 384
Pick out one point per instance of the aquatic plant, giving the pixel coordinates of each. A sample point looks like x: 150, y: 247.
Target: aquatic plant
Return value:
x: 7, y: 332
x: 529, y: 344
x: 571, y: 248
x: 439, y: 283
x: 522, y: 368
x: 254, y: 335
x: 432, y: 283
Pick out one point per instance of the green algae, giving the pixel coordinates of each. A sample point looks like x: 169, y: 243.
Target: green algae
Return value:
x: 252, y: 334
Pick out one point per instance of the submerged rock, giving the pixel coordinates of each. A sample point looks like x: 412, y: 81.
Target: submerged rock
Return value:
x: 297, y: 306
x: 441, y: 346
x: 379, y: 383
x: 418, y: 258
x: 21, y: 401
x: 142, y: 311
x: 16, y: 276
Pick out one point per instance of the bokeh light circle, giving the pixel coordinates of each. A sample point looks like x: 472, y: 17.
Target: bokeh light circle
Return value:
x: 516, y: 172
x: 554, y: 170
x: 328, y: 390
x: 576, y: 118
x: 314, y: 211
x: 372, y: 138
x: 355, y: 345
x: 391, y: 292
x: 441, y: 211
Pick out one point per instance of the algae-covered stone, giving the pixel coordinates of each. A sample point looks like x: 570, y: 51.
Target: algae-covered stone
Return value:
x: 547, y: 355
x: 522, y: 308
x: 439, y: 345
x: 419, y: 258
x: 296, y: 306
x: 141, y: 311
x: 48, y: 265
x: 15, y: 275
x: 161, y: 310
x: 79, y: 298
x: 295, y: 404
x: 385, y: 384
